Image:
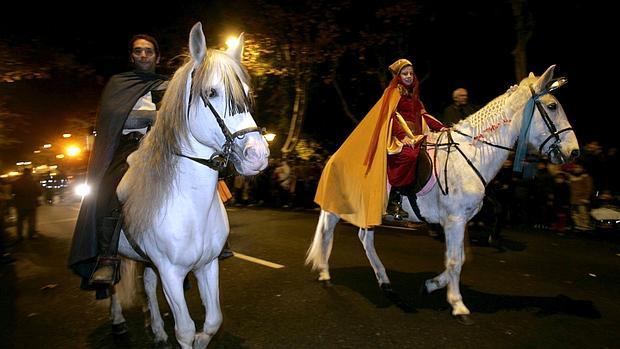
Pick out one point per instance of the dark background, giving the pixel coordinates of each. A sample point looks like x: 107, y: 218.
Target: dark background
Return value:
x: 465, y: 44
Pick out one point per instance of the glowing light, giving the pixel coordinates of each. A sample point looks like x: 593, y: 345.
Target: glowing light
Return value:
x: 66, y: 135
x: 82, y: 190
x: 60, y: 156
x: 73, y: 150
x: 47, y: 146
x: 269, y: 137
x: 232, y: 42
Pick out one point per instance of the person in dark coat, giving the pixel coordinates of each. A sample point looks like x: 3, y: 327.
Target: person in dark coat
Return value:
x: 459, y: 109
x: 26, y: 191
x: 5, y: 199
x: 128, y: 108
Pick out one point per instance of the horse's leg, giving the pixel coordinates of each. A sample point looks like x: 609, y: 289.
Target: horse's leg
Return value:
x: 150, y: 288
x: 321, y: 247
x: 208, y: 285
x: 367, y: 237
x: 119, y: 326
x: 172, y: 282
x: 454, y: 259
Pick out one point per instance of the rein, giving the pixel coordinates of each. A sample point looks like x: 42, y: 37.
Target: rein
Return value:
x: 219, y: 159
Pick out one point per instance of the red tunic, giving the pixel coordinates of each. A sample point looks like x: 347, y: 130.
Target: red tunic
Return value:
x: 401, y: 167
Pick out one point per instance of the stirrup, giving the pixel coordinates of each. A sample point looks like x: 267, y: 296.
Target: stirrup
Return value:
x: 400, y: 214
x: 106, y: 271
x: 395, y: 208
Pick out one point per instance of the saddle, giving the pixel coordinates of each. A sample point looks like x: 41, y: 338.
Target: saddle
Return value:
x: 424, y: 175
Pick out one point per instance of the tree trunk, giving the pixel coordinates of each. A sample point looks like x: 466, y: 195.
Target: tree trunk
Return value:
x: 345, y: 105
x: 302, y: 81
x: 524, y: 25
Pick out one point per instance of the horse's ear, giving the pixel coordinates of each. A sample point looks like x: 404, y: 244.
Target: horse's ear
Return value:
x: 236, y: 52
x: 542, y: 81
x: 197, y: 43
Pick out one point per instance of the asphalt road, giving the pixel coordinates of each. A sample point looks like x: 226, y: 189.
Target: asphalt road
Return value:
x: 534, y: 290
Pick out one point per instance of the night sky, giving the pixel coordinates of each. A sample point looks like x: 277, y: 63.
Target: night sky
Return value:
x: 465, y: 47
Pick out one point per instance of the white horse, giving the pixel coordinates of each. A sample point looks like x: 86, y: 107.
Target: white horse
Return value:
x: 173, y: 214
x: 484, y: 139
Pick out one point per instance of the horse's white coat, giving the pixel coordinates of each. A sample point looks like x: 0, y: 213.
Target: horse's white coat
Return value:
x: 190, y: 225
x: 499, y: 122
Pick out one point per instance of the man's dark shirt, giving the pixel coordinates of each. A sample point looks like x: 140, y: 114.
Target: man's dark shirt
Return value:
x: 455, y: 113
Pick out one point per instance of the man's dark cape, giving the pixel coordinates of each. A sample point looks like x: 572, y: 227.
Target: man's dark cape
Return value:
x: 117, y: 100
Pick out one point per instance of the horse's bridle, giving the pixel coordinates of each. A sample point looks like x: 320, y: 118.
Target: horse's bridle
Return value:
x: 554, y: 148
x: 219, y: 159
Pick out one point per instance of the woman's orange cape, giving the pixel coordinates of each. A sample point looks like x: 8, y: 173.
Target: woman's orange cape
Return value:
x: 353, y: 184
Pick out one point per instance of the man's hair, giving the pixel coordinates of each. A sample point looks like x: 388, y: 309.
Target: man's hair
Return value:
x: 458, y: 91
x: 144, y: 37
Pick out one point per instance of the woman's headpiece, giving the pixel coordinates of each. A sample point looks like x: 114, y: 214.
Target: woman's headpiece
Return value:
x: 397, y: 66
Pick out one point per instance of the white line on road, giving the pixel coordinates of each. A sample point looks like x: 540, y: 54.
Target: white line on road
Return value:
x: 58, y: 221
x: 258, y: 261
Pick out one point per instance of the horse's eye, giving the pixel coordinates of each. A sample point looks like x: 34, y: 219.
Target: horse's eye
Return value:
x: 212, y: 93
x: 552, y: 106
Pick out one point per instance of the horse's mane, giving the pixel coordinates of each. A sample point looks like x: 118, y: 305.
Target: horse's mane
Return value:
x: 153, y: 166
x: 497, y: 112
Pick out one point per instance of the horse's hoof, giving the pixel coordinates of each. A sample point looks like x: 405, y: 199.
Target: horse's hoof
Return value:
x: 162, y: 345
x: 119, y: 329
x: 387, y: 287
x: 326, y: 283
x: 464, y: 319
x: 201, y: 340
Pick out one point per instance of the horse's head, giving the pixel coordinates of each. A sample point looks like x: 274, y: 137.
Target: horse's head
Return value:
x: 219, y: 105
x: 549, y: 130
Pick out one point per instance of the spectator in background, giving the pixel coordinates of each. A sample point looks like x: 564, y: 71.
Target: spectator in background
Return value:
x: 459, y: 109
x: 580, y: 194
x: 282, y: 176
x: 542, y: 191
x: 561, y: 202
x: 26, y: 191
x: 610, y: 180
x: 5, y: 198
x: 593, y: 161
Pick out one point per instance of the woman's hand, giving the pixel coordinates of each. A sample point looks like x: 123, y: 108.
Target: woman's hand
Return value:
x: 408, y: 141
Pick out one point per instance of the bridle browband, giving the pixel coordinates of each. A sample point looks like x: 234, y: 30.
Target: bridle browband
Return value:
x: 219, y: 159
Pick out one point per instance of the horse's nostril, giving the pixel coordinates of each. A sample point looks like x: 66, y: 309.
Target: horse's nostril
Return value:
x: 250, y: 153
x: 574, y: 154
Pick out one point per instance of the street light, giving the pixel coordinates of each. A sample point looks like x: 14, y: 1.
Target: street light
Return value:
x: 232, y: 42
x: 72, y: 150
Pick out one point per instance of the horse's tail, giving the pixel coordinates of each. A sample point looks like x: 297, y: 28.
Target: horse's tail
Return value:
x: 315, y: 254
x: 129, y: 291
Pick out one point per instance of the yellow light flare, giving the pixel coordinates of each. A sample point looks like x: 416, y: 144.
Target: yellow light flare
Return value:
x: 232, y: 42
x: 73, y: 150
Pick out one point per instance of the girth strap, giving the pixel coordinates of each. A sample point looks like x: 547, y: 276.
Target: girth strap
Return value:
x: 416, y: 209
x: 131, y: 241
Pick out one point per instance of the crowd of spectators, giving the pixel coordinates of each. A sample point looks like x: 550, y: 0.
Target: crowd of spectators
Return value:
x: 552, y: 197
x: 544, y: 196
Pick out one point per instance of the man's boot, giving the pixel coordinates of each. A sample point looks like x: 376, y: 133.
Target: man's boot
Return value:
x: 108, y: 262
x: 106, y: 270
x: 395, y: 208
